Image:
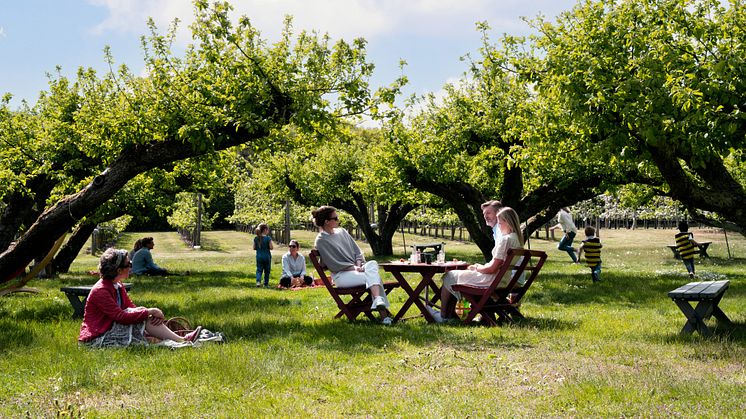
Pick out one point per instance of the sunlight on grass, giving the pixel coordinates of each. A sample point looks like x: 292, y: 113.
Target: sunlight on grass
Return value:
x: 605, y: 349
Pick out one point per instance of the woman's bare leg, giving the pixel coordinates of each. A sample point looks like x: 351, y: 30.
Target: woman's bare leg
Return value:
x: 162, y: 332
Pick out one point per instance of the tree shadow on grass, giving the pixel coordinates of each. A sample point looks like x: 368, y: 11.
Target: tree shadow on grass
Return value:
x: 330, y: 334
x: 734, y: 332
x: 617, y: 289
x: 14, y: 335
x: 207, y: 244
x: 185, y: 283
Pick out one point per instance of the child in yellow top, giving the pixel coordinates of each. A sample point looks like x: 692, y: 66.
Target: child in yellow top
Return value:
x: 592, y: 248
x: 686, y: 246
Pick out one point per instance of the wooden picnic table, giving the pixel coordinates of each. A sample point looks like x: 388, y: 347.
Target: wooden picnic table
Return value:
x: 708, y: 295
x: 701, y: 246
x: 78, y: 296
x: 427, y: 271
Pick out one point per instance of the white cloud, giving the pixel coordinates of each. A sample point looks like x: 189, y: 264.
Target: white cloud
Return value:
x: 2, y: 32
x: 340, y: 18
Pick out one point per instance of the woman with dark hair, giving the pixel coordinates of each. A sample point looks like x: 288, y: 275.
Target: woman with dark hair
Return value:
x: 112, y: 319
x: 345, y: 260
x: 142, y: 261
x: 294, y: 267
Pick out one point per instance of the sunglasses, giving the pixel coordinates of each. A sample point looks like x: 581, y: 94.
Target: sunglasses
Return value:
x: 334, y: 218
x: 126, y: 265
x: 292, y: 245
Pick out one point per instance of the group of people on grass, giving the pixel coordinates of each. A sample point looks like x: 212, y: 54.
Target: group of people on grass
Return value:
x: 686, y: 246
x: 112, y: 319
x: 293, y: 262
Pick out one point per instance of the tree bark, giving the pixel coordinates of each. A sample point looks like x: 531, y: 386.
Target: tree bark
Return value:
x: 22, y: 209
x: 534, y: 209
x: 466, y: 201
x: 140, y: 158
x: 721, y: 193
x: 70, y: 250
x: 390, y: 216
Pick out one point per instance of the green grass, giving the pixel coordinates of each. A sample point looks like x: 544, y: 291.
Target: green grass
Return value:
x: 607, y: 349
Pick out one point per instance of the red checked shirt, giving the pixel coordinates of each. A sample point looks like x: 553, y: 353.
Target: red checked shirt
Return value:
x: 102, y: 310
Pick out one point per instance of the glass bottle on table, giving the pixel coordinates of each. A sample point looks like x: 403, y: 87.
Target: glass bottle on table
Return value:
x: 441, y: 256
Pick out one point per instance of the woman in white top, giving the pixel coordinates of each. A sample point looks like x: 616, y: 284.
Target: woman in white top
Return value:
x: 294, y: 267
x: 509, y: 225
x: 566, y: 223
x: 345, y: 260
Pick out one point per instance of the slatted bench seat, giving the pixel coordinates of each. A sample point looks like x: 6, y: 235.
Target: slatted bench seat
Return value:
x: 707, y: 294
x: 78, y: 296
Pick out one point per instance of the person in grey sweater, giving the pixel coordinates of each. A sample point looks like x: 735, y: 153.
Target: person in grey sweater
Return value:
x: 345, y: 260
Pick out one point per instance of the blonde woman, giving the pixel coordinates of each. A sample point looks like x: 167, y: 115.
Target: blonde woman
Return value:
x: 509, y: 225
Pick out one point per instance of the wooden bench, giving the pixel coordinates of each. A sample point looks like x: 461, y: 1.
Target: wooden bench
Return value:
x: 78, y: 296
x: 702, y: 246
x: 708, y: 295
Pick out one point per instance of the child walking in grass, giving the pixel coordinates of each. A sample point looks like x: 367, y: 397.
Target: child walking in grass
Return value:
x: 263, y: 246
x: 592, y: 248
x: 686, y: 246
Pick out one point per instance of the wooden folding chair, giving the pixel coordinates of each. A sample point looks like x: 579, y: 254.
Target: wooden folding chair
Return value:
x: 503, y: 303
x: 360, y: 298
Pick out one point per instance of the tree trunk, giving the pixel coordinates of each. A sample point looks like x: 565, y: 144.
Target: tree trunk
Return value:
x: 71, y: 249
x: 22, y: 209
x: 721, y: 193
x: 65, y: 214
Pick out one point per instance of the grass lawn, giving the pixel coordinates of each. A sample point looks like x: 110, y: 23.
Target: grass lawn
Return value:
x: 606, y: 349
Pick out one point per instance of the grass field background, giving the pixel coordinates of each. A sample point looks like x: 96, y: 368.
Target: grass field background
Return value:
x: 605, y: 349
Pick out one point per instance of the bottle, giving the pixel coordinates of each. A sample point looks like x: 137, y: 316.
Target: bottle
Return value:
x: 413, y: 256
x: 441, y: 256
x: 418, y: 256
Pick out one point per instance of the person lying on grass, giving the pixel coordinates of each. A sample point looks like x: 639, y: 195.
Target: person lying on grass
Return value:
x: 112, y: 319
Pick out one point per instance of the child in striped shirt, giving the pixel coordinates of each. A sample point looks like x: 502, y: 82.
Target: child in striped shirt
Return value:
x: 686, y: 246
x: 592, y: 248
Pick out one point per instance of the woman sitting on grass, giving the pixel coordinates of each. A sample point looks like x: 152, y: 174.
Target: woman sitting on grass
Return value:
x: 294, y: 268
x: 110, y: 317
x: 483, y: 275
x: 345, y: 260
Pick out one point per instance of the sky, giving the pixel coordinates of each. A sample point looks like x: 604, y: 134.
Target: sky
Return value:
x: 37, y: 36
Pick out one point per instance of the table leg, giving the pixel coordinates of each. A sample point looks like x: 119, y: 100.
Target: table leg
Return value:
x: 427, y: 281
x: 78, y: 304
x: 718, y: 313
x: 414, y: 296
x: 696, y: 317
x: 410, y: 292
x: 703, y: 251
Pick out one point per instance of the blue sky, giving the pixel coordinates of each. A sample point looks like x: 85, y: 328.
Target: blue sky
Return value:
x: 431, y: 35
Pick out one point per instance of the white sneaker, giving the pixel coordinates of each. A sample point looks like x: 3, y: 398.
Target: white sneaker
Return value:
x: 387, y: 321
x: 378, y: 303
